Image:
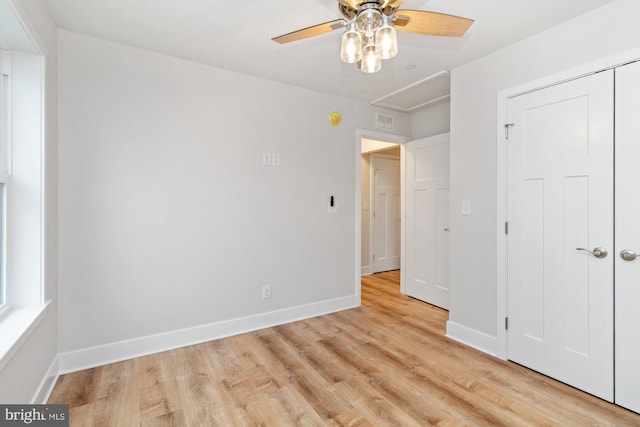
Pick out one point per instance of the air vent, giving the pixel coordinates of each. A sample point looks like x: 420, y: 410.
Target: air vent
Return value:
x: 384, y: 121
x: 418, y: 95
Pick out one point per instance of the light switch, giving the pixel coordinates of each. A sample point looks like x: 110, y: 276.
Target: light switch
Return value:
x: 466, y: 207
x: 332, y: 206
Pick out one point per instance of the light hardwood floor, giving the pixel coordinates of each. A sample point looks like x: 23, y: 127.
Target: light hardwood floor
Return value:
x: 384, y: 364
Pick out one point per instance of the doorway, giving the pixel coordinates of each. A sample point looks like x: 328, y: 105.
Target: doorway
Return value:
x: 362, y: 249
x: 421, y: 246
x: 380, y: 206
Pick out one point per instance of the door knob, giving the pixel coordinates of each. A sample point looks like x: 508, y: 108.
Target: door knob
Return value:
x: 628, y: 254
x: 597, y: 252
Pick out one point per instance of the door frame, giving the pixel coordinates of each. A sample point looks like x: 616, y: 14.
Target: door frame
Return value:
x: 396, y: 139
x: 501, y: 173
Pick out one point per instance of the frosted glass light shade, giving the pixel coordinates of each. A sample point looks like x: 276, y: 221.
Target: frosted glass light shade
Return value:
x: 351, y: 49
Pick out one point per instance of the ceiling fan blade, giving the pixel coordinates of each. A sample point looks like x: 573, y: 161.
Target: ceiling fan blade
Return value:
x: 431, y: 23
x: 316, y: 30
x: 392, y: 3
x: 351, y: 3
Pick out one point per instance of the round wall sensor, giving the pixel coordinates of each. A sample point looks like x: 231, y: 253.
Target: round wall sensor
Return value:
x: 334, y: 118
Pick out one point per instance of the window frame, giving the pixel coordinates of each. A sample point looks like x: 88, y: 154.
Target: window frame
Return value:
x: 27, y: 226
x: 5, y: 177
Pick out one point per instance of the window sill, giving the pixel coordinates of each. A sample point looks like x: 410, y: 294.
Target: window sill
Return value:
x: 15, y: 327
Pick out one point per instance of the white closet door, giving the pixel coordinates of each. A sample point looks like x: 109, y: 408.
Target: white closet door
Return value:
x: 627, y: 231
x: 560, y: 198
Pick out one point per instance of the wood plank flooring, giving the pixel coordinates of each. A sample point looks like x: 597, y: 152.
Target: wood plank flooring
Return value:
x: 384, y: 364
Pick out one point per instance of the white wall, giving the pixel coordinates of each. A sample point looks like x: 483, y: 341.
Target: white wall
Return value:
x: 603, y: 32
x: 29, y: 373
x: 169, y: 220
x: 433, y: 120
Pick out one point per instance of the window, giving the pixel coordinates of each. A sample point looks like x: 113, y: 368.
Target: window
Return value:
x: 23, y: 225
x: 4, y: 171
x: 21, y: 181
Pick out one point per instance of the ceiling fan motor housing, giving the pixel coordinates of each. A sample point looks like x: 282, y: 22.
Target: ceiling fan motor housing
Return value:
x: 351, y: 13
x: 369, y: 18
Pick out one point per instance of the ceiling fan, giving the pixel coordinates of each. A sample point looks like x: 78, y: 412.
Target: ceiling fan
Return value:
x: 370, y: 34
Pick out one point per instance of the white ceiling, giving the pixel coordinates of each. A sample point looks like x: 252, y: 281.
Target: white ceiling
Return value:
x: 236, y: 35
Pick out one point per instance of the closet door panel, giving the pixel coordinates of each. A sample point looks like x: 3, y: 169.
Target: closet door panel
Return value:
x: 560, y: 213
x: 627, y: 237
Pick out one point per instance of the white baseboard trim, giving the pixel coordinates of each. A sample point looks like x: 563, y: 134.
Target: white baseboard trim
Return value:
x: 123, y: 350
x: 46, y: 385
x: 366, y: 271
x: 472, y: 338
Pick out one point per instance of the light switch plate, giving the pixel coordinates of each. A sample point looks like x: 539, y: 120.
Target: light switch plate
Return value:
x: 466, y: 207
x: 266, y: 159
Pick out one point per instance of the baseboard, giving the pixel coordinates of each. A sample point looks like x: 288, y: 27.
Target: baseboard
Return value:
x: 46, y: 385
x: 123, y: 350
x: 366, y: 270
x: 472, y: 338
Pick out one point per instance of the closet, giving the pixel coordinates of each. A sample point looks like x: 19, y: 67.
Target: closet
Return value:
x: 573, y: 280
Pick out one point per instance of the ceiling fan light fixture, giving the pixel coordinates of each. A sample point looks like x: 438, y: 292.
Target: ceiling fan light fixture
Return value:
x: 386, y: 39
x: 371, y: 35
x: 351, y: 48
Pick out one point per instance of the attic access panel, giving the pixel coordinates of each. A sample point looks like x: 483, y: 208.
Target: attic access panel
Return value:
x: 418, y: 95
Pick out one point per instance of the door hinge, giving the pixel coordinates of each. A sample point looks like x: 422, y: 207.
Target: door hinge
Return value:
x: 374, y: 257
x: 506, y: 323
x: 506, y: 130
x: 506, y: 228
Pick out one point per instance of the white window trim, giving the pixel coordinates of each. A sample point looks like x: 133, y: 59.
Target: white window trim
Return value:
x: 5, y: 155
x: 16, y: 327
x: 25, y: 304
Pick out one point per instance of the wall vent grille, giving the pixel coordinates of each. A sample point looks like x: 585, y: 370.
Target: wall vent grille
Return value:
x: 384, y: 121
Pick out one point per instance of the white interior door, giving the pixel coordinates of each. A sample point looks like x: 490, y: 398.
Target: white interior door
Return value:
x: 560, y: 198
x: 427, y: 220
x: 627, y: 232
x: 386, y: 213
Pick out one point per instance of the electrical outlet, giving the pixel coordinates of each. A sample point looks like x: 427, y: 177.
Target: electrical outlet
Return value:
x: 266, y: 292
x: 266, y: 159
x: 275, y: 159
